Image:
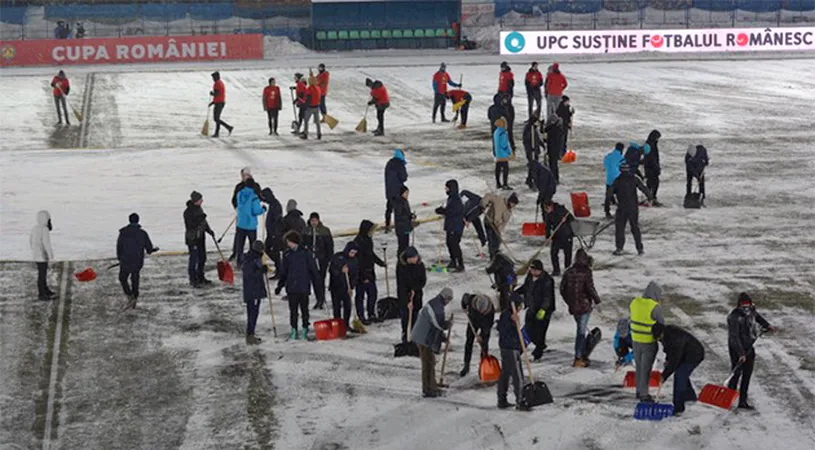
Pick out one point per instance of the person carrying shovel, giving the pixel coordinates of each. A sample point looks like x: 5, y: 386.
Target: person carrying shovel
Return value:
x: 480, y: 317
x: 195, y: 223
x: 743, y: 324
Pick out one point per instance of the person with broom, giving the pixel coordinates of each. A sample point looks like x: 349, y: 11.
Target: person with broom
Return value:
x: 218, y: 94
x: 511, y: 370
x: 683, y: 354
x: 195, y: 223
x: 272, y: 104
x: 366, y: 285
x: 538, y: 292
x: 254, y: 287
x: 62, y: 86
x: 472, y: 214
x: 131, y: 246
x: 343, y: 275
x: 300, y: 91
x: 298, y: 273
x: 428, y: 334
x: 497, y: 213
x: 481, y: 317
x: 577, y: 290
x: 743, y: 324
x: 312, y: 105
x: 411, y: 277
x: 379, y: 99
x: 440, y: 81
x: 323, y: 77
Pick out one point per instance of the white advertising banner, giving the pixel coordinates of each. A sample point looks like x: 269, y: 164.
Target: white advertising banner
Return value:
x: 667, y: 41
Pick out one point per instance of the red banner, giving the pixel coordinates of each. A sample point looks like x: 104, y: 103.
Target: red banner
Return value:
x: 144, y: 49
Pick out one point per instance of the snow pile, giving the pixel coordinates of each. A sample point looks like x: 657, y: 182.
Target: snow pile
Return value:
x: 277, y: 46
x: 485, y: 37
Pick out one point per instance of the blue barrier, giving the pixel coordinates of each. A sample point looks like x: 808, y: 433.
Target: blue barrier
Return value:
x: 798, y: 5
x: 90, y: 12
x: 210, y: 11
x: 13, y: 14
x: 163, y: 11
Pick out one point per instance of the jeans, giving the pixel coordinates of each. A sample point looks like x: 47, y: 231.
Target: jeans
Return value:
x: 683, y: 390
x: 510, y: 370
x: 552, y: 102
x: 312, y: 111
x: 743, y: 373
x: 533, y: 97
x: 501, y: 173
x: 582, y: 321
x: 42, y: 279
x: 633, y: 219
x: 298, y: 301
x: 61, y: 101
x: 241, y: 236
x: 341, y: 304
x: 252, y: 311
x: 131, y: 289
x: 644, y: 356
x: 198, y: 258
x: 439, y: 102
x: 272, y: 114
x: 323, y: 110
x: 557, y: 246
x: 454, y: 247
x: 366, y: 289
x: 219, y: 108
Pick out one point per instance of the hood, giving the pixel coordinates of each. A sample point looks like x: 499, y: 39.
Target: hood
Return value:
x: 482, y: 303
x: 268, y: 195
x: 350, y: 246
x: 581, y: 258
x: 365, y: 227
x: 654, y: 136
x: 377, y: 84
x: 623, y: 327
x: 43, y: 217
x: 291, y: 205
x: 692, y: 150
x: 400, y: 155
x: 453, y: 185
x: 634, y: 145
x: 653, y: 291
x: 216, y: 76
x: 496, y: 99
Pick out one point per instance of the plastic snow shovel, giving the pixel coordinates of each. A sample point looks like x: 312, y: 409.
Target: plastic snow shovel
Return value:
x: 489, y: 369
x: 536, y: 392
x: 409, y: 347
x: 330, y: 121
x: 630, y: 380
x: 720, y: 396
x: 653, y: 411
x: 363, y: 124
x: 356, y: 324
x: 444, y: 358
x: 385, y: 305
x: 534, y: 228
x: 225, y: 273
x: 525, y: 268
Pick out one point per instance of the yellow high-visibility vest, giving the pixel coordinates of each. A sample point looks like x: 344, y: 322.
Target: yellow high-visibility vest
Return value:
x: 641, y: 321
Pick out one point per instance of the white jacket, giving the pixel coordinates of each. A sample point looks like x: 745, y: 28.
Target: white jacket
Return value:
x: 41, y: 239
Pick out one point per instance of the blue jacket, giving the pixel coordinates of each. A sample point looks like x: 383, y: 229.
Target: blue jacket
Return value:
x: 395, y: 174
x: 130, y: 248
x: 248, y: 209
x: 500, y: 141
x: 454, y: 210
x: 612, y: 163
x: 254, y: 282
x: 508, y: 332
x: 634, y: 155
x: 299, y: 272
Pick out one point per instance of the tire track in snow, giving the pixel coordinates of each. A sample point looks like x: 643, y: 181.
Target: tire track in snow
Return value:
x: 87, y: 95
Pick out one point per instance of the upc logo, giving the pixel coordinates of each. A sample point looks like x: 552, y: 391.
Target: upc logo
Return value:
x: 514, y: 42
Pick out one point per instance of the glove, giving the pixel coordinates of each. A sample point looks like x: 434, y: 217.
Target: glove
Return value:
x: 212, y: 93
x: 541, y: 314
x: 155, y: 249
x: 371, y: 102
x: 277, y: 290
x: 211, y: 233
x: 211, y: 103
x: 440, y: 210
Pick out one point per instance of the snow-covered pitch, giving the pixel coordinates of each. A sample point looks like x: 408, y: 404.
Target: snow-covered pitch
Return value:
x: 176, y: 373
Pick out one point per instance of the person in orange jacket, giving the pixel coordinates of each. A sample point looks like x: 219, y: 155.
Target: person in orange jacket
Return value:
x: 440, y: 81
x: 534, y: 82
x: 379, y: 98
x: 272, y: 104
x: 61, y: 87
x: 464, y: 98
x: 218, y: 94
x: 553, y: 87
x: 300, y: 91
x: 322, y: 82
x: 312, y: 102
x: 506, y: 81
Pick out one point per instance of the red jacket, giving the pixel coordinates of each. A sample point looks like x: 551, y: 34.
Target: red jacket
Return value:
x: 300, y: 92
x: 322, y: 82
x: 457, y: 95
x: 313, y: 95
x: 440, y: 80
x: 271, y: 98
x: 380, y: 95
x: 506, y: 81
x: 555, y: 84
x: 60, y: 83
x: 220, y: 92
x: 534, y: 79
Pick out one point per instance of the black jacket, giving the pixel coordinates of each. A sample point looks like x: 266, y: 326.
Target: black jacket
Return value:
x: 501, y: 107
x: 532, y: 140
x: 254, y: 281
x: 403, y: 216
x: 482, y: 322
x: 472, y: 207
x: 395, y: 177
x: 565, y: 113
x: 742, y: 330
x: 544, y: 181
x: 696, y: 164
x: 274, y: 217
x: 338, y: 284
x: 555, y: 139
x: 502, y: 269
x: 538, y: 294
x: 319, y: 241
x: 453, y: 211
x: 367, y: 257
x: 625, y: 187
x: 410, y: 278
x: 651, y: 160
x: 298, y: 272
x: 564, y: 233
x: 195, y: 224
x: 130, y: 248
x: 508, y: 332
x: 293, y: 221
x: 250, y: 182
x: 680, y: 348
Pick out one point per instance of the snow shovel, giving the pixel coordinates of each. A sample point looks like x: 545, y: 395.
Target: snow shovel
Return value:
x: 536, y: 392
x: 444, y: 358
x: 387, y: 303
x: 266, y: 259
x: 654, y: 411
x: 525, y: 268
x: 330, y: 121
x: 295, y: 124
x: 409, y: 347
x: 363, y: 124
x: 225, y: 273
x: 356, y: 324
x: 534, y: 228
x: 630, y: 379
x: 489, y: 369
x: 720, y: 396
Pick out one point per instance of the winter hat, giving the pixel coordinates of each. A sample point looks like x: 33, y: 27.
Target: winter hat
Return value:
x: 216, y: 75
x: 271, y: 80
x: 504, y: 64
x: 314, y: 215
x: 482, y: 303
x: 536, y: 264
x: 134, y: 218
x: 565, y: 98
x: 534, y: 64
x: 692, y: 150
x: 321, y: 66
x: 246, y: 171
x: 258, y: 246
x: 399, y: 154
x: 298, y: 76
x: 744, y: 299
x: 403, y: 189
x: 513, y: 198
x: 291, y: 205
x: 411, y: 252
x: 443, y: 66
x: 619, y: 146
x: 446, y: 294
x: 653, y: 291
x: 657, y: 329
x: 293, y: 237
x: 555, y: 66
x: 195, y: 196
x: 369, y: 82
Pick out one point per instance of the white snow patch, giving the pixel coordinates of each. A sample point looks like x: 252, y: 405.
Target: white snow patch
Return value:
x: 277, y: 46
